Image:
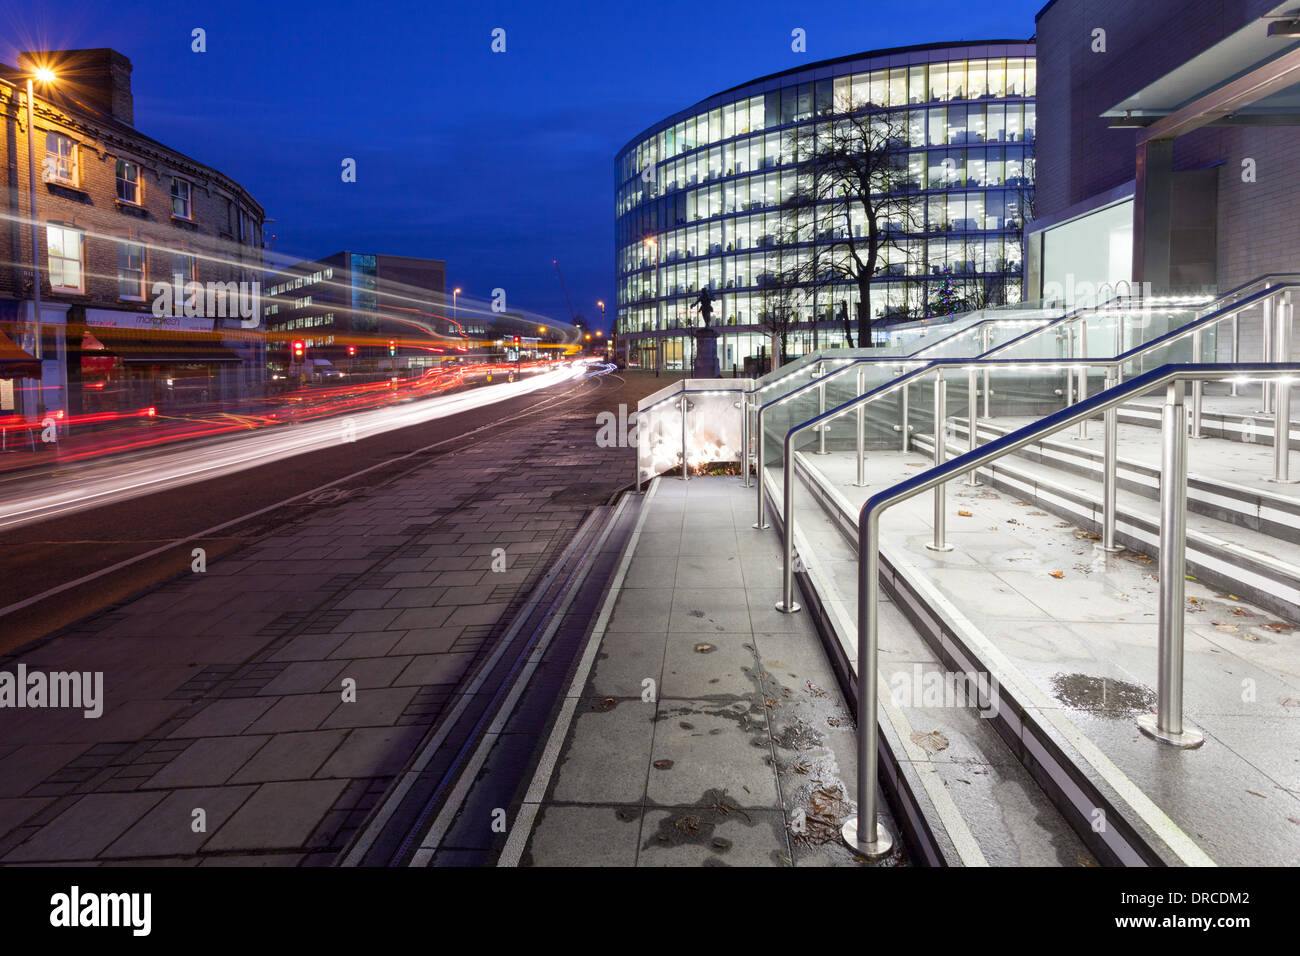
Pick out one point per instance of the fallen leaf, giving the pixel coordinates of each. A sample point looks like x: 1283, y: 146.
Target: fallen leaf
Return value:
x: 965, y: 514
x: 1058, y: 574
x: 932, y: 742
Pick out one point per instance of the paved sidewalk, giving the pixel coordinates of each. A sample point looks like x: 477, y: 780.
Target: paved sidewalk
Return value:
x: 226, y: 691
x: 710, y: 730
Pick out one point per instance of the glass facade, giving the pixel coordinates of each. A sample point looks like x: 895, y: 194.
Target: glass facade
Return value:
x: 703, y: 199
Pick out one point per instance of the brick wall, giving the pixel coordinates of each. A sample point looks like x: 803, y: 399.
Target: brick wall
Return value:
x: 1079, y: 156
x: 92, y: 207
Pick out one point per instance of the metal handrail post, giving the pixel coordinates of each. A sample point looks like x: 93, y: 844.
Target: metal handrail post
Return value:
x: 862, y: 435
x: 1266, y: 388
x: 984, y: 347
x: 787, y: 604
x: 940, y: 455
x: 972, y: 478
x: 744, y: 435
x: 821, y: 410
x: 685, y: 409
x: 864, y: 832
x: 761, y: 524
x: 1197, y: 386
x: 907, y: 426
x: 1236, y: 348
x: 1082, y: 391
x: 1108, y: 480
x: 1166, y: 725
x: 1069, y: 373
x: 1282, y: 396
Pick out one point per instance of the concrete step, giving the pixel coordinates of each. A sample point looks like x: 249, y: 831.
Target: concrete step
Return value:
x: 1254, y: 565
x: 1231, y: 418
x: 1132, y: 801
x: 1225, y: 483
x: 962, y: 794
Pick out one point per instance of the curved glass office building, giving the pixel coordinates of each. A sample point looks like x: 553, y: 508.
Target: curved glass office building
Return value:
x: 704, y: 199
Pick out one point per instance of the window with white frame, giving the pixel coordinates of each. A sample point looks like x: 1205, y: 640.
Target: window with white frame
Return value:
x: 181, y: 207
x: 64, y: 247
x: 60, y: 159
x: 128, y: 182
x: 182, y: 266
x: 130, y: 271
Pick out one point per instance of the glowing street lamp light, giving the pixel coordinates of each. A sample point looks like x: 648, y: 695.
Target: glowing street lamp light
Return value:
x: 454, y: 292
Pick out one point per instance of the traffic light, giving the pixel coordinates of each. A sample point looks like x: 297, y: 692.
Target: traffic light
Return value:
x: 516, y: 341
x: 299, y: 348
x: 392, y: 346
x: 352, y: 351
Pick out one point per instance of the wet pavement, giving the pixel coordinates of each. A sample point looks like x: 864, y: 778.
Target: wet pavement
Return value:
x: 708, y: 728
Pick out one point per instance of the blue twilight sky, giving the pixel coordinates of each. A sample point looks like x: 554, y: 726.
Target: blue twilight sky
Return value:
x: 497, y: 163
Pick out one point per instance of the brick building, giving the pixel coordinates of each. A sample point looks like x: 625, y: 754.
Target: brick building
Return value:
x: 1165, y: 146
x: 127, y: 229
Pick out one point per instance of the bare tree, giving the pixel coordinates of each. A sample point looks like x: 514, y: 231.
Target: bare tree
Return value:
x: 779, y: 294
x: 855, y: 198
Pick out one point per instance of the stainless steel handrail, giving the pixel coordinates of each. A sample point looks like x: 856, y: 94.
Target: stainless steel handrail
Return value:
x: 1114, y: 366
x: 1121, y: 305
x: 940, y: 448
x: 863, y: 832
x: 817, y: 382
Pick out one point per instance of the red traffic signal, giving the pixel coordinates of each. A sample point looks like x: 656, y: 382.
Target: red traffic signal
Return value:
x: 299, y: 348
x: 352, y: 350
x: 516, y: 341
x: 392, y: 346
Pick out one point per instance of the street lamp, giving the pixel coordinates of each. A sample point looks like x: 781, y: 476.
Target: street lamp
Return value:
x: 454, y: 292
x: 45, y: 76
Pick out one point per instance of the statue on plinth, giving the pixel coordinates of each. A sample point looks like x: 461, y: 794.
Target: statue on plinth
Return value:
x: 706, y: 339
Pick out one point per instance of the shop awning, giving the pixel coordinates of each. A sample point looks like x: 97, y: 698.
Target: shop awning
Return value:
x: 16, y: 362
x: 157, y: 348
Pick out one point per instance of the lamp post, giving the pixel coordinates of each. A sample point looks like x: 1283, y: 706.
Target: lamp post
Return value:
x: 45, y: 76
x: 454, y: 292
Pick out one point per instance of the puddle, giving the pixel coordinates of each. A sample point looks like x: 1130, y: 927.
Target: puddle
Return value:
x: 1106, y: 696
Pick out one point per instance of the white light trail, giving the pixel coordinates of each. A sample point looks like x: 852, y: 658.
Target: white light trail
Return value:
x: 47, y: 497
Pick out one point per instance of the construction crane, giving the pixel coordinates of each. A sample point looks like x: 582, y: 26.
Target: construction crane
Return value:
x: 573, y: 315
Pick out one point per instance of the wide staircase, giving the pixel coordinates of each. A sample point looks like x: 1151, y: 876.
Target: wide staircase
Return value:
x: 1062, y: 551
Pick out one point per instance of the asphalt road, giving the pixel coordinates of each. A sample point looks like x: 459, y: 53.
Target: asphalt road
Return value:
x: 106, y: 544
